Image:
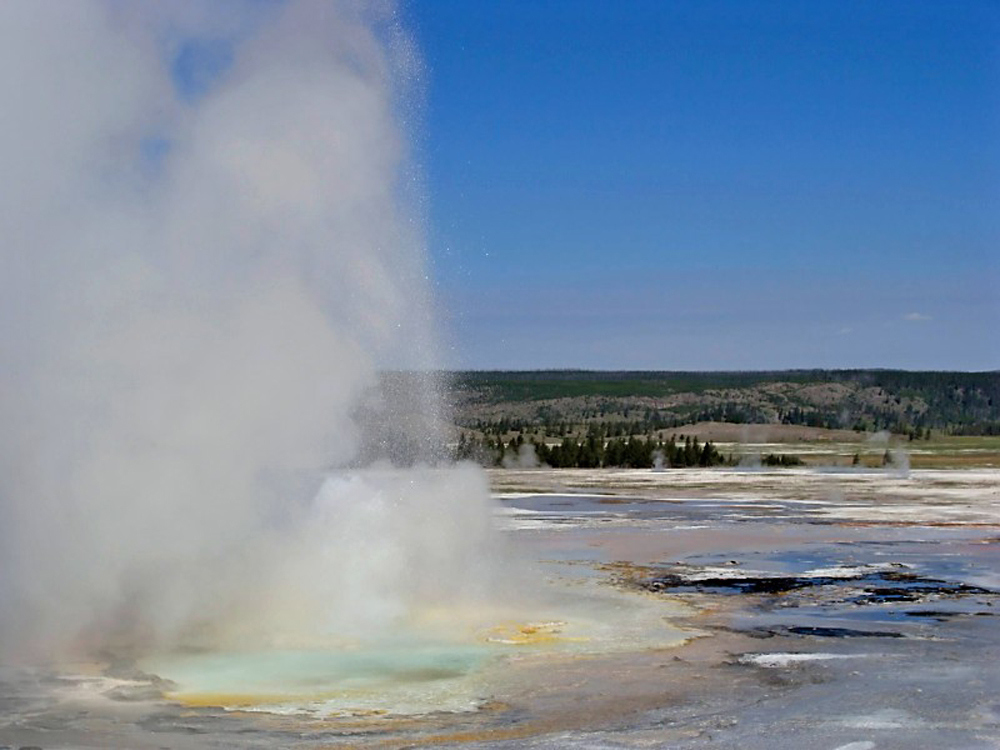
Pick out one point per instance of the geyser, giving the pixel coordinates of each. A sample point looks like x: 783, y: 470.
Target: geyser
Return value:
x: 211, y: 249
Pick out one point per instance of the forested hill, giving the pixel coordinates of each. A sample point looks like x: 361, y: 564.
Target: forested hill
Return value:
x: 897, y: 400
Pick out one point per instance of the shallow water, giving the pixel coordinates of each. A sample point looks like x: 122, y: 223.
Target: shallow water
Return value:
x: 407, y: 675
x: 403, y: 677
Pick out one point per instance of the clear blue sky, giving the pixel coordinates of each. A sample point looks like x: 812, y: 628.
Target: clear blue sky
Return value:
x: 731, y: 185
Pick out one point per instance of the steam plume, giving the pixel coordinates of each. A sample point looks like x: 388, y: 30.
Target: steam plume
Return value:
x: 210, y: 249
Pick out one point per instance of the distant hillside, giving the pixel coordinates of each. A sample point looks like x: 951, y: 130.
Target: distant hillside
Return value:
x: 636, y: 403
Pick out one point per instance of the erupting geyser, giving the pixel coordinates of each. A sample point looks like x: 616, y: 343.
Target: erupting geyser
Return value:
x: 211, y: 249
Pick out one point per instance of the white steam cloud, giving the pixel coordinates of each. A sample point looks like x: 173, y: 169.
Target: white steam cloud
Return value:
x: 204, y: 269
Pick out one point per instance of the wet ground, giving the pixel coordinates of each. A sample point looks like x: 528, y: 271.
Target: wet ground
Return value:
x: 847, y: 610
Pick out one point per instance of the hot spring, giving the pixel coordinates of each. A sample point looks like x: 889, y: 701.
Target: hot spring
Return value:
x: 214, y: 263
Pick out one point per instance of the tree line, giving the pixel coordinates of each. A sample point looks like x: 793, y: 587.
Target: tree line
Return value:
x: 592, y: 452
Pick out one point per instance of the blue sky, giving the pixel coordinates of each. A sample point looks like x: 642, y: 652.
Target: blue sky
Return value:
x: 731, y: 185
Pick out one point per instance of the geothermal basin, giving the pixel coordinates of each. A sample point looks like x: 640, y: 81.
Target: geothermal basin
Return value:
x: 682, y: 609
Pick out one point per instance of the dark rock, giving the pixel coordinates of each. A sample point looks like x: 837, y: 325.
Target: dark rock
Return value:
x: 933, y: 614
x: 824, y: 632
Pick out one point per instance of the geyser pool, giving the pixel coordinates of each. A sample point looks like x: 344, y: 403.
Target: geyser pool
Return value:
x: 401, y: 676
x: 455, y: 666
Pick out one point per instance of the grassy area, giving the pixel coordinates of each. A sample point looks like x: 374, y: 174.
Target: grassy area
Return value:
x: 958, y: 453
x: 941, y: 453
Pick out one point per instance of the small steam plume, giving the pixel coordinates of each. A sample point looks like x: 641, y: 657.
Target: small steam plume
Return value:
x: 211, y: 248
x: 525, y: 458
x: 895, y: 458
